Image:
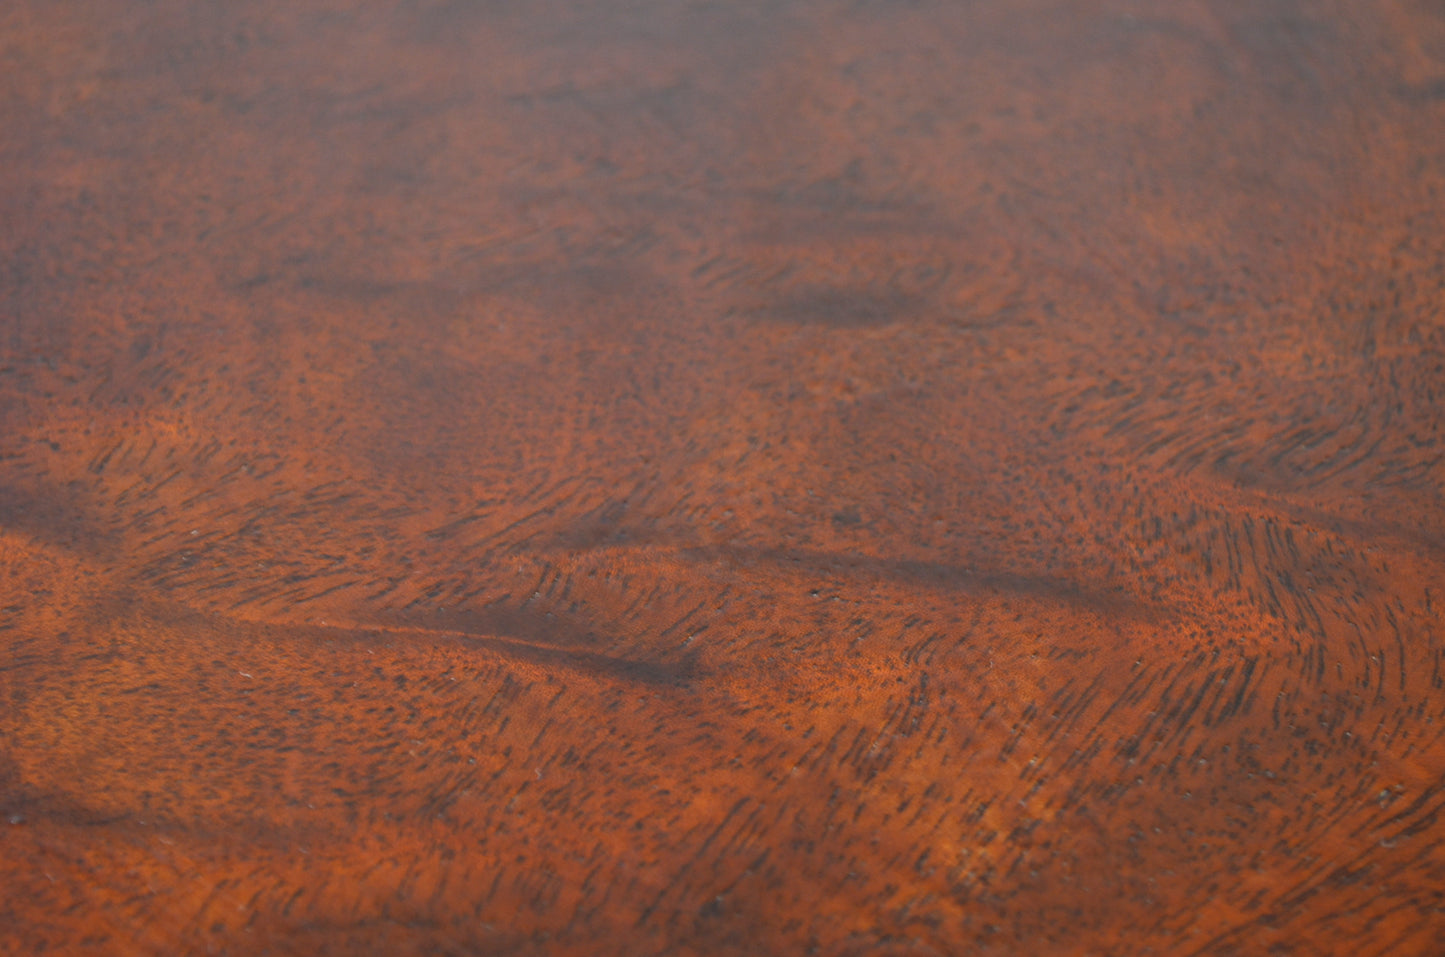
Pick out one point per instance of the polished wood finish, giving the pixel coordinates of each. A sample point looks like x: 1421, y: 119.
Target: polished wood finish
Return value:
x: 647, y: 477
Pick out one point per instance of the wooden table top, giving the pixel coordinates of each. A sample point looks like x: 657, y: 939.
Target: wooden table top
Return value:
x: 674, y: 477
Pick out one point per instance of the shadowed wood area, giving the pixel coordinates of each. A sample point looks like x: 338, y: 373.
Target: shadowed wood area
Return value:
x: 673, y: 477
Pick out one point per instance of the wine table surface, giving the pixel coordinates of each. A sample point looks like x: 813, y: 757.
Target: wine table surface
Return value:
x: 675, y: 477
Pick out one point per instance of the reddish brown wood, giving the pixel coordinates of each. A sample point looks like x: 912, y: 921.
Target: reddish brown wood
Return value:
x: 652, y: 477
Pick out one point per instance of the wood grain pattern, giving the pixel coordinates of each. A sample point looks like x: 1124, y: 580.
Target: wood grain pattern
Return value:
x: 645, y: 477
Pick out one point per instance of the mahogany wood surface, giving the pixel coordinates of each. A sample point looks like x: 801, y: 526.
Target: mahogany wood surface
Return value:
x: 674, y: 477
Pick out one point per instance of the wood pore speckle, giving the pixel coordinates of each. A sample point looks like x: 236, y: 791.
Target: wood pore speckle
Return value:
x: 640, y: 477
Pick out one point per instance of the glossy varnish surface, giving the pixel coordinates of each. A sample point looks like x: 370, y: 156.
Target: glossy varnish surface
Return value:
x: 652, y: 477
